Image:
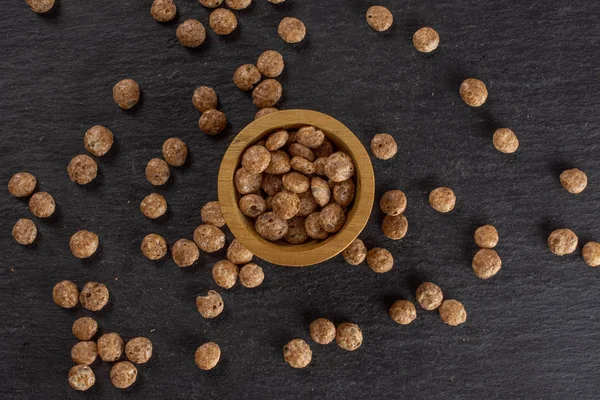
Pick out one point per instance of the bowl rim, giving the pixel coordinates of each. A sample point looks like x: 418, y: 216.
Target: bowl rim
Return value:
x: 313, y: 252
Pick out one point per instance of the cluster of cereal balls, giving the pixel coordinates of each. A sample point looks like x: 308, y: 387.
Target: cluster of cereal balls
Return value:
x: 41, y: 204
x: 267, y: 93
x: 212, y: 121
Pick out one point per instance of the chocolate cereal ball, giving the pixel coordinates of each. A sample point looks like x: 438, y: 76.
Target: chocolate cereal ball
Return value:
x: 310, y: 137
x: 339, y: 167
x: 83, y: 244
x: 82, y: 169
x: 24, y: 231
x: 222, y: 21
x: 452, y: 312
x: 325, y: 149
x: 246, y: 76
x: 380, y: 260
x: 251, y: 275
x: 84, y: 353
x: 473, y: 92
x: 264, y: 111
x: 211, y: 214
x: 22, y: 184
x: 139, y: 350
x: 154, y: 247
x: 84, y: 328
x: 302, y: 165
x: 207, y: 356
x: 212, y: 122
x: 211, y: 3
x: 185, y: 252
x: 300, y: 150
x: 562, y: 242
x: 110, y: 347
x: 157, y: 172
x: 429, y: 296
x: 94, y: 296
x: 271, y: 227
x: 442, y: 199
x: 355, y: 253
x: 486, y: 263
x: 126, y: 93
x: 320, y: 191
x: 384, y: 146
x: 252, y: 205
x: 380, y: 18
x: 123, y: 374
x: 211, y: 305
x: 42, y: 205
x: 332, y: 218
x: 505, y: 141
x: 205, y: 98
x: 486, y: 237
x: 277, y: 140
x: 297, y: 353
x: 270, y: 63
x: 395, y: 227
x: 267, y: 93
x: 238, y: 4
x: 256, y: 159
x: 65, y: 294
x: 163, y: 10
x: 81, y: 377
x: 209, y: 238
x: 291, y: 30
x: 591, y: 254
x: 238, y: 254
x: 225, y: 274
x: 393, y: 202
x: 271, y: 184
x: 153, y: 206
x: 312, y: 224
x: 285, y: 204
x: 322, y: 331
x: 191, y: 33
x: 574, y: 180
x: 307, y: 204
x: 426, y: 40
x: 343, y: 192
x: 403, y: 312
x: 246, y: 183
x: 40, y: 7
x: 348, y: 336
x: 98, y: 140
x: 296, y: 231
x: 174, y: 151
x: 280, y: 163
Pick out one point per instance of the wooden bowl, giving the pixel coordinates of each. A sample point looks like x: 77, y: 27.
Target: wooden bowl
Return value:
x: 315, y: 251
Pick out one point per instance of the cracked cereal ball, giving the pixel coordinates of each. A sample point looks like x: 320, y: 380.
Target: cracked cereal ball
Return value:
x: 81, y: 377
x: 185, y: 252
x: 163, y: 10
x: 246, y: 182
x: 82, y: 169
x: 84, y: 353
x: 209, y: 238
x: 110, y: 347
x: 264, y: 111
x: 207, y: 356
x: 205, y: 98
x: 153, y: 206
x: 473, y: 92
x: 251, y: 275
x: 297, y: 353
x: 332, y: 218
x: 348, y: 336
x: 452, y: 312
x: 191, y: 33
x: 65, y: 294
x: 291, y: 30
x: 380, y: 260
x: 267, y: 93
x: 84, y: 328
x: 302, y: 165
x: 343, y: 192
x: 380, y: 18
x: 285, y: 204
x: 238, y: 254
x: 322, y: 331
x: 222, y: 21
x: 277, y: 140
x: 256, y: 159
x: 562, y: 242
x: 174, y: 151
x: 395, y: 227
x: 310, y: 137
x: 384, y: 146
x: 429, y: 296
x: 486, y: 237
x: 591, y: 254
x: 295, y: 182
x: 126, y: 93
x: 403, y: 312
x: 270, y: 63
x: 22, y: 184
x: 307, y: 204
x: 211, y: 305
x: 238, y: 4
x: 212, y: 122
x: 154, y: 247
x: 98, y: 140
x: 123, y: 374
x: 211, y: 214
x: 246, y: 76
x: 252, y: 205
x: 312, y: 224
x: 40, y: 7
x: 505, y: 141
x: 442, y: 199
x: 225, y: 274
x: 83, y: 244
x: 211, y: 3
x: 426, y: 40
x: 355, y: 253
x: 94, y: 296
x: 24, y: 231
x: 139, y: 350
x: 300, y: 150
x: 574, y: 180
x: 339, y: 167
x: 271, y: 184
x: 393, y: 202
x: 325, y: 149
x: 319, y: 165
x: 157, y: 172
x: 296, y: 231
x: 271, y: 227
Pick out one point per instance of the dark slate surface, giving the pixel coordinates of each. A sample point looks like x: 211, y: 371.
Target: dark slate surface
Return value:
x: 533, y: 330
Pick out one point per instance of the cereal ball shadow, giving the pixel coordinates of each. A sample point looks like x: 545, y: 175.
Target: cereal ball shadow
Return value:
x: 197, y: 51
x: 53, y: 14
x: 135, y: 109
x: 233, y: 36
x: 556, y: 167
x: 94, y: 186
x: 546, y: 227
x: 112, y: 154
x: 93, y: 259
x: 55, y: 219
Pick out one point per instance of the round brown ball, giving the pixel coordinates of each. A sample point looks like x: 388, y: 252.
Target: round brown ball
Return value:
x: 83, y: 244
x: 307, y: 204
x: 211, y: 305
x: 295, y: 182
x: 271, y: 184
x: 452, y: 312
x: 403, y: 312
x: 486, y: 263
x: 65, y: 294
x: 277, y: 140
x: 98, y: 140
x: 379, y: 18
x: 442, y: 199
x: 123, y: 374
x: 225, y: 273
x: 394, y: 227
x: 310, y: 137
x: 325, y: 149
x: 591, y: 254
x: 264, y: 111
x: 84, y: 352
x: 296, y: 231
x: 110, y: 347
x: 343, y: 192
x: 562, y: 242
x: 84, y: 328
x: 246, y: 76
x: 313, y: 228
x: 291, y: 30
x: 297, y: 353
x: 154, y: 247
x: 280, y: 163
x: 237, y: 253
x: 267, y: 93
x: 211, y: 3
x: 238, y: 4
x: 207, y: 356
x: 252, y: 205
x: 380, y: 260
x: 153, y: 206
x: 211, y: 214
x: 505, y: 141
x: 22, y: 184
x: 355, y: 253
x: 256, y: 159
x: 94, y: 296
x: 174, y: 151
x: 246, y: 182
x: 302, y: 165
x: 139, y: 350
x: 322, y: 331
x: 82, y: 169
x: 339, y: 167
x: 348, y: 336
x: 486, y: 237
x: 320, y: 191
x: 222, y: 21
x: 191, y: 33
x: 157, y: 172
x: 574, y: 180
x: 40, y: 7
x: 185, y: 252
x: 426, y: 40
x: 251, y: 275
x: 209, y: 238
x: 393, y: 202
x: 42, y: 205
x: 473, y: 92
x: 429, y: 296
x: 205, y: 98
x: 332, y: 218
x: 212, y: 122
x: 271, y: 227
x: 285, y: 204
x: 126, y: 93
x: 270, y: 63
x: 384, y: 146
x: 24, y: 231
x: 81, y: 377
x: 163, y: 10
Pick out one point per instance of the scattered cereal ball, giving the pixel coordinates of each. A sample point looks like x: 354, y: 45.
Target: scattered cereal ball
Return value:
x: 40, y: 7
x: 185, y: 252
x: 264, y: 111
x: 312, y: 224
x: 320, y: 191
x: 42, y: 205
x: 339, y: 167
x: 24, y: 231
x: 153, y: 206
x: 562, y: 241
x: 343, y: 192
x: 81, y: 377
x: 246, y: 76
x: 505, y: 141
x: 486, y: 237
x: 157, y: 172
x: 442, y: 199
x: 270, y: 63
x: 209, y: 238
x: 251, y: 275
x: 285, y: 204
x: 256, y: 159
x: 212, y: 122
x: 591, y: 254
x: 574, y: 180
x: 22, y: 184
x: 191, y: 33
x: 332, y: 218
x: 222, y: 21
x: 403, y: 312
x: 65, y: 294
x: 380, y: 260
x: 355, y: 253
x: 83, y: 244
x: 426, y: 40
x: 267, y: 93
x: 126, y: 93
x: 205, y: 98
x: 252, y: 205
x: 82, y: 169
x: 154, y: 247
x: 473, y: 92
x: 310, y: 137
x: 238, y: 254
x: 300, y: 150
x: 139, y: 350
x: 211, y: 305
x: 277, y: 140
x: 94, y: 296
x: 98, y: 140
x: 163, y: 10
x: 211, y: 214
x: 429, y: 296
x: 296, y: 231
x: 291, y: 30
x: 395, y: 227
x: 322, y: 331
x: 380, y: 18
x: 174, y: 151
x: 393, y: 202
x: 302, y: 165
x: 211, y: 3
x: 225, y: 274
x: 110, y: 347
x: 238, y: 4
x: 307, y: 204
x: 486, y: 263
x: 297, y: 353
x: 84, y: 328
x: 207, y: 356
x: 84, y: 353
x: 348, y: 336
x: 452, y: 312
x: 246, y: 183
x: 295, y: 182
x: 280, y: 163
x: 384, y: 146
x: 123, y: 374
x: 271, y: 227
